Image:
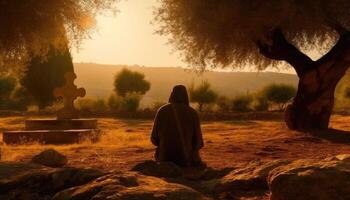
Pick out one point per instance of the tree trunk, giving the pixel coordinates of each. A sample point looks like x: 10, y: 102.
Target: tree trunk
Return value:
x: 313, y: 103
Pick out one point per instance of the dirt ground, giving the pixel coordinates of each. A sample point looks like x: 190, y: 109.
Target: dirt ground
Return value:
x: 125, y: 143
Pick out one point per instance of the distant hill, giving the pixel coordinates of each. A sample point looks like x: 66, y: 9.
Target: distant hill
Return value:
x: 98, y: 80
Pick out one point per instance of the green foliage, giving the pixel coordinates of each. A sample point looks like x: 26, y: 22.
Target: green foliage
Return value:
x: 242, y: 103
x: 42, y: 77
x: 202, y: 94
x: 279, y: 94
x: 128, y: 81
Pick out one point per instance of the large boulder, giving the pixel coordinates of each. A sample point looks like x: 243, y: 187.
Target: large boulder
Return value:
x: 252, y: 176
x: 129, y: 186
x: 327, y: 179
x: 50, y: 158
x: 32, y: 181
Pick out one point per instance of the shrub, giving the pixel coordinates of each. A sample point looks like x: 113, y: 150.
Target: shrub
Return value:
x: 88, y: 105
x: 130, y: 102
x: 223, y: 103
x: 261, y: 103
x: 242, y: 103
x: 279, y: 94
x: 202, y: 95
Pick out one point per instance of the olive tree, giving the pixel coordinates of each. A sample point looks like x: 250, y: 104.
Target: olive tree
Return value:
x: 30, y: 27
x: 262, y: 33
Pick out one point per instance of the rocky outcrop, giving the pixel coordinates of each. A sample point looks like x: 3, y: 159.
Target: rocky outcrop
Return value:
x: 327, y: 179
x: 253, y: 176
x: 50, y: 158
x: 30, y: 181
x: 127, y: 186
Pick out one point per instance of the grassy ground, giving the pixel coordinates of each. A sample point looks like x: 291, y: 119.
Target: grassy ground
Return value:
x: 227, y: 143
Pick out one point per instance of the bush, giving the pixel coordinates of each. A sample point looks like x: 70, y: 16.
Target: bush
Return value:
x: 203, y: 95
x: 130, y: 103
x: 261, y: 103
x: 96, y: 106
x: 128, y: 81
x: 223, y: 104
x: 242, y: 103
x: 279, y: 94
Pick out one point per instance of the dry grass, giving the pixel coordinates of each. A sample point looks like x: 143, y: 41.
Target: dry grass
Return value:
x: 126, y: 142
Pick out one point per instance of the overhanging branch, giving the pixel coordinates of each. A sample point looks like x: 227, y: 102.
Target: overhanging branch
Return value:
x: 281, y: 49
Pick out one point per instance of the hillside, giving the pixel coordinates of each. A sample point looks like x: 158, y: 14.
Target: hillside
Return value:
x: 98, y: 80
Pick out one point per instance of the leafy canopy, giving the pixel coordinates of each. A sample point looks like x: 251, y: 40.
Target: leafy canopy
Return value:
x: 34, y: 25
x: 127, y: 81
x: 225, y: 32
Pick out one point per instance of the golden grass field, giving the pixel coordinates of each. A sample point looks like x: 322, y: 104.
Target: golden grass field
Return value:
x: 227, y: 143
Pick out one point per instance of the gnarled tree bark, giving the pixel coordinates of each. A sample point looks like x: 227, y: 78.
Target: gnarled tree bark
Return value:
x: 313, y: 103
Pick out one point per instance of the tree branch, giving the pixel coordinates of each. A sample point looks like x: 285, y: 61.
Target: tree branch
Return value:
x: 281, y: 49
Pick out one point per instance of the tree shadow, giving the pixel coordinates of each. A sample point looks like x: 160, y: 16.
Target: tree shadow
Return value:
x: 332, y: 135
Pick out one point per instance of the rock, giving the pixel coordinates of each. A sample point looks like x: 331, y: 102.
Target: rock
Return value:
x: 327, y: 179
x: 162, y: 169
x: 31, y: 181
x: 129, y: 186
x: 50, y: 158
x: 250, y: 177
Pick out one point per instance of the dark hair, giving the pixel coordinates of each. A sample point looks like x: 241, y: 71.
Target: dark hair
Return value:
x: 179, y: 95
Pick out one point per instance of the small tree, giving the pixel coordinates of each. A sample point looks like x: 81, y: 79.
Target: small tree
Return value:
x: 279, y: 94
x: 202, y: 94
x: 128, y: 81
x: 242, y: 103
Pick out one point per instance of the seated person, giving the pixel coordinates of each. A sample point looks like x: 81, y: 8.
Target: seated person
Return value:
x: 177, y: 132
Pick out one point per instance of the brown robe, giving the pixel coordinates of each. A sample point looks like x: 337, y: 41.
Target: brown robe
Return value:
x: 180, y: 147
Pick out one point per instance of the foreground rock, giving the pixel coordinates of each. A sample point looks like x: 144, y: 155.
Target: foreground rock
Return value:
x: 129, y: 186
x: 30, y: 181
x: 328, y: 179
x: 163, y: 169
x: 253, y: 176
x: 50, y: 158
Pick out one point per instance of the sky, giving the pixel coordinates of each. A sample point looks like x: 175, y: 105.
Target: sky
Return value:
x: 128, y: 38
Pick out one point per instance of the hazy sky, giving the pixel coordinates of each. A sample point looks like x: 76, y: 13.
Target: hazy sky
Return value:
x: 128, y: 38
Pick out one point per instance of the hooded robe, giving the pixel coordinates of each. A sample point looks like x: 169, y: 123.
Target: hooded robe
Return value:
x: 176, y: 131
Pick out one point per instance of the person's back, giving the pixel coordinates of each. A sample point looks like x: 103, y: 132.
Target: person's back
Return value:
x: 176, y: 131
